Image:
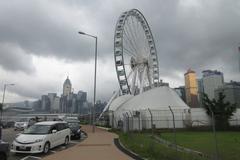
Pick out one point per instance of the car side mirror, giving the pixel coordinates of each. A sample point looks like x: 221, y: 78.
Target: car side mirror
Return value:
x: 54, y: 131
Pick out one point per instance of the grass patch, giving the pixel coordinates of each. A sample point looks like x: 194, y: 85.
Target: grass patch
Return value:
x: 228, y: 142
x: 146, y: 147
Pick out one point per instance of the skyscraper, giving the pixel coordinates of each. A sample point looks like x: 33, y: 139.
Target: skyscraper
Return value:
x: 232, y: 92
x: 181, y: 92
x: 200, y: 92
x: 67, y: 87
x: 211, y: 81
x: 71, y: 102
x: 191, y: 88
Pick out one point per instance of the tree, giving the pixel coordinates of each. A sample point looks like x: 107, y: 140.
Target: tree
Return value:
x: 222, y: 110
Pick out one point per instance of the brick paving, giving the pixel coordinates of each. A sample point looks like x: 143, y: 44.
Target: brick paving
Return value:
x: 98, y: 146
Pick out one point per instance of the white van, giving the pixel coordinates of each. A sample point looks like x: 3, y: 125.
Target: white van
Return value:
x: 41, y: 137
x: 24, y: 123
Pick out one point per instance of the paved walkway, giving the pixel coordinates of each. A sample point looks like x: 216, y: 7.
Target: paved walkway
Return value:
x: 98, y: 146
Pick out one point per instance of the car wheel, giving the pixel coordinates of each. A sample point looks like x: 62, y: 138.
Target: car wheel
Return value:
x: 66, y: 141
x: 3, y: 156
x: 46, y: 148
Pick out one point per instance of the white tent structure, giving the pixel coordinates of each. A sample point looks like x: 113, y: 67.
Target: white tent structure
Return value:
x: 149, y: 108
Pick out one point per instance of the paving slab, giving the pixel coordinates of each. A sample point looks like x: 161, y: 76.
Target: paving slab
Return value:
x: 97, y: 146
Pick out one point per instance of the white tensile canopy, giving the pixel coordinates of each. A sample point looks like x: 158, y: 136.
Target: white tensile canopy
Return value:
x: 156, y: 99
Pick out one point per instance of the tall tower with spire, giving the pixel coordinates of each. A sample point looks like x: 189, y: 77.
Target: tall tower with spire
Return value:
x: 67, y: 87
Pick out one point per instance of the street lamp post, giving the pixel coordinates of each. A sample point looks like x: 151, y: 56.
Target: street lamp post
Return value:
x: 95, y: 75
x: 4, y: 90
x: 214, y: 133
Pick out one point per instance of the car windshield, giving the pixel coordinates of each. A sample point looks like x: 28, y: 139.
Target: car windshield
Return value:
x: 73, y: 124
x: 38, y: 129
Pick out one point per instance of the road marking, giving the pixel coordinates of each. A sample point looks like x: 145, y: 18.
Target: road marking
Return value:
x: 53, y: 151
x: 31, y: 158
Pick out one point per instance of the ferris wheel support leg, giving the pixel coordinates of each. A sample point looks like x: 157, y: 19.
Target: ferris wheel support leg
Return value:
x: 142, y: 79
x: 149, y: 79
x: 133, y: 87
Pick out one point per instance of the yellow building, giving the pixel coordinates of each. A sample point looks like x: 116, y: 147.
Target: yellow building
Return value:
x: 191, y: 88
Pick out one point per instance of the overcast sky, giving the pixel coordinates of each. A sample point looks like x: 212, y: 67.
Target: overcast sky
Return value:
x: 39, y: 44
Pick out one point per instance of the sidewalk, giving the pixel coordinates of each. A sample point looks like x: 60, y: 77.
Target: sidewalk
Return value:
x: 98, y: 146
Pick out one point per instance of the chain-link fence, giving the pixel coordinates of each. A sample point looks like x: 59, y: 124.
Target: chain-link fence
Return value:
x: 176, y: 122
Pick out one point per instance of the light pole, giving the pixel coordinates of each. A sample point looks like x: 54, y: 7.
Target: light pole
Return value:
x: 4, y: 90
x: 95, y: 73
x: 214, y: 133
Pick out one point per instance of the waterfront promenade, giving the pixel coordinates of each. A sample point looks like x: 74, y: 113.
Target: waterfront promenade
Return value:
x: 97, y: 146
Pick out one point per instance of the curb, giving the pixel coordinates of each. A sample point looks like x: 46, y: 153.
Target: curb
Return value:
x: 179, y: 148
x: 107, y: 129
x: 126, y: 151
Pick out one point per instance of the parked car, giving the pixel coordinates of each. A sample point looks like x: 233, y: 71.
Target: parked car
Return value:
x: 4, y: 150
x: 75, y: 129
x: 41, y: 137
x: 24, y: 123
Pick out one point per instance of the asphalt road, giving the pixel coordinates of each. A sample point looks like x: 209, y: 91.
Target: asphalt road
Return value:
x: 9, y: 135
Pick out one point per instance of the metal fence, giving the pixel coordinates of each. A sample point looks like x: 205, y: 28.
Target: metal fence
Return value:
x: 172, y: 120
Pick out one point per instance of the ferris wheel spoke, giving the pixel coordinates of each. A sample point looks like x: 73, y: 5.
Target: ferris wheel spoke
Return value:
x: 133, y: 87
x: 130, y: 41
x: 142, y: 80
x: 144, y: 43
x: 141, y: 42
x: 131, y: 54
x: 130, y: 73
x: 134, y: 31
x: 130, y: 47
x: 142, y: 39
x: 131, y: 32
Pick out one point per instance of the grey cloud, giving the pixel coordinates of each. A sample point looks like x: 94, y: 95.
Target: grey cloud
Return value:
x: 204, y: 37
x: 14, y: 58
x: 38, y: 29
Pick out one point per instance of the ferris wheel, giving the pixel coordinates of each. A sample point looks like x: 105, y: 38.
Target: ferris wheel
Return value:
x: 135, y: 54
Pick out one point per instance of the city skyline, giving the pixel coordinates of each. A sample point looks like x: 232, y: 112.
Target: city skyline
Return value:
x: 40, y: 46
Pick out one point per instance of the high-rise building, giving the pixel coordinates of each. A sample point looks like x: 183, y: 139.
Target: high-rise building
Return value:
x: 55, y: 107
x: 71, y: 102
x: 82, y: 99
x: 45, y: 102
x: 181, y: 92
x: 200, y: 92
x: 191, y: 88
x: 67, y: 87
x: 51, y: 97
x: 211, y: 81
x: 231, y: 91
x: 54, y: 102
